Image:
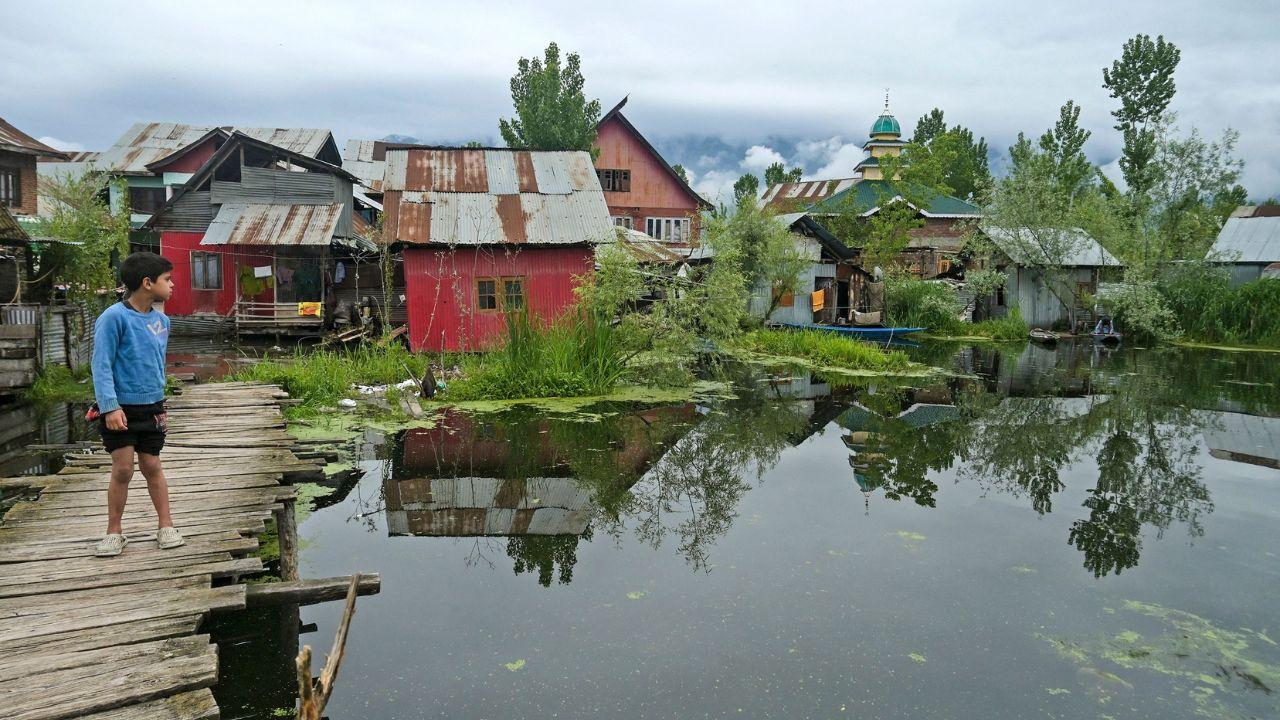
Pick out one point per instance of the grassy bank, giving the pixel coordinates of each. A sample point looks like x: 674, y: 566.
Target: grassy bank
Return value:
x: 1208, y: 310
x: 918, y: 303
x: 824, y: 348
x: 57, y: 383
x: 323, y: 377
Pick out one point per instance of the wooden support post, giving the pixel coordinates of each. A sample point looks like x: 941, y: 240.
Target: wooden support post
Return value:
x: 313, y: 695
x: 287, y: 529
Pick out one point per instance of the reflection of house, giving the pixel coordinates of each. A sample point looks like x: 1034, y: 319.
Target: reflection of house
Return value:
x: 934, y: 247
x: 1249, y: 243
x: 466, y: 476
x: 251, y: 231
x: 486, y: 231
x: 1252, y: 439
x: 1045, y: 301
x: 828, y: 272
x: 642, y: 190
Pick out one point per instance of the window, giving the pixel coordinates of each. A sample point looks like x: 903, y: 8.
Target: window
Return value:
x: 674, y: 230
x: 614, y: 180
x: 146, y: 199
x: 206, y: 271
x: 500, y: 294
x: 10, y: 190
x: 622, y: 221
x: 486, y: 295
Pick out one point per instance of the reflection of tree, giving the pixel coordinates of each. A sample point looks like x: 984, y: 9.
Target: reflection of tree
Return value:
x: 1139, y: 426
x: 541, y: 553
x: 694, y: 490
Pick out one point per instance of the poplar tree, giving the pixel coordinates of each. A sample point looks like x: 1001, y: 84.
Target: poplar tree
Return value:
x: 552, y: 113
x: 1142, y: 80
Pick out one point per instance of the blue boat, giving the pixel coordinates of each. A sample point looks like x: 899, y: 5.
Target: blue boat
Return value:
x: 869, y: 333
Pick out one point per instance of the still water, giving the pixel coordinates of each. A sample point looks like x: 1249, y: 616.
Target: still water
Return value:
x: 1041, y: 533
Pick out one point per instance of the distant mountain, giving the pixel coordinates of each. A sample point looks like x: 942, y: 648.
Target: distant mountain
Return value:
x: 393, y: 138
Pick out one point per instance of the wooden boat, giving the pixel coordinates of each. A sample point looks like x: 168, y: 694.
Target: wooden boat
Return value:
x: 869, y: 333
x: 1112, y: 338
x: 1047, y: 337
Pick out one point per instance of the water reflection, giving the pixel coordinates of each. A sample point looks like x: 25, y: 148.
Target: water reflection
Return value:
x: 1010, y: 422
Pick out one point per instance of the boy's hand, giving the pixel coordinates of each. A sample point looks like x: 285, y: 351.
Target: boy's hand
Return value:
x: 116, y: 420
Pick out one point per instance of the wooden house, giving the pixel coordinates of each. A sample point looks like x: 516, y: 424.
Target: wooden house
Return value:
x: 488, y: 231
x: 830, y: 273
x: 254, y: 234
x: 1248, y: 245
x: 1048, y: 299
x: 644, y: 192
x: 19, y: 153
x: 156, y: 159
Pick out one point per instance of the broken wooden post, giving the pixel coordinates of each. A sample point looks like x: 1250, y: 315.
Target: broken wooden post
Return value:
x: 287, y: 530
x: 313, y: 695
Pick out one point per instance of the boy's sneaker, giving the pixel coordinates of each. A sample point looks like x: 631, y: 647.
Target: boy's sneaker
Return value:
x: 168, y: 538
x: 111, y: 545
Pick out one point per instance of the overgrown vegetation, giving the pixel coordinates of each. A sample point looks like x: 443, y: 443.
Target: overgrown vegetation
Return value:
x: 576, y: 356
x: 911, y: 302
x: 323, y: 377
x: 824, y: 348
x: 57, y: 383
x: 93, y: 236
x: 1208, y: 309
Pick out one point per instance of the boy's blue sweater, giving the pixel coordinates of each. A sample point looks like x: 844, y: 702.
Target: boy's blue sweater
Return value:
x: 128, y: 356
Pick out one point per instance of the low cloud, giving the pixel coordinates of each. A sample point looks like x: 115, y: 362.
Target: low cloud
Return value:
x: 759, y: 157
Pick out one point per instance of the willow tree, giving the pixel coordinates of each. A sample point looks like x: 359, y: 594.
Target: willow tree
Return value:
x: 552, y: 112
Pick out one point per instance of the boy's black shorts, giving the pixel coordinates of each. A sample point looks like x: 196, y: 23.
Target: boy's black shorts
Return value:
x: 147, y: 426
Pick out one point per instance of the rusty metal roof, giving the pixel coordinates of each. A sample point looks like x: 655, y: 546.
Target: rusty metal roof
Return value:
x: 260, y: 224
x: 366, y: 161
x: 466, y: 196
x: 799, y: 195
x: 146, y: 143
x: 14, y: 140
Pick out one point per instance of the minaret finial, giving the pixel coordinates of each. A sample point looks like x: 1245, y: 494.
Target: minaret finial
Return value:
x: 886, y: 101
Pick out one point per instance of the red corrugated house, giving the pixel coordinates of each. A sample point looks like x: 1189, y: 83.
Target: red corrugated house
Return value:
x: 644, y: 192
x: 485, y: 231
x: 251, y: 234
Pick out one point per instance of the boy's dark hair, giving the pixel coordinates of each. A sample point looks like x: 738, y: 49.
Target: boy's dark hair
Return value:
x: 141, y: 265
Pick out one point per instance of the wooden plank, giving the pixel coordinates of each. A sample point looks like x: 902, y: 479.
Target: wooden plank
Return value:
x: 18, y: 331
x: 12, y: 668
x: 179, y: 604
x: 123, y: 634
x: 309, y: 592
x: 194, y: 705
x: 220, y: 568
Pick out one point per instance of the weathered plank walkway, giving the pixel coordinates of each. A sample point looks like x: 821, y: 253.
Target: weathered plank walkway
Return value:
x: 116, y: 638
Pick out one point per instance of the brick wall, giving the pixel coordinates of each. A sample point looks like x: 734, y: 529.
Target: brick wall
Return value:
x: 26, y: 165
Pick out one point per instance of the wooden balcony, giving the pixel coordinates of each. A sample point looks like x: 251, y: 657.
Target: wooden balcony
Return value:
x: 259, y: 318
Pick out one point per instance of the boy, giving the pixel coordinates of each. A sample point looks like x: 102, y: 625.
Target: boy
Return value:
x: 130, y: 340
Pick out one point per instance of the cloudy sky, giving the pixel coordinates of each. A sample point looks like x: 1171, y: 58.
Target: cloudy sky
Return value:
x: 719, y: 87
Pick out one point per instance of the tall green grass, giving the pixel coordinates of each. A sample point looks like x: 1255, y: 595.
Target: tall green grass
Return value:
x: 825, y: 348
x: 576, y: 356
x: 1009, y: 328
x: 909, y: 302
x: 323, y: 377
x: 57, y: 383
x: 1208, y: 309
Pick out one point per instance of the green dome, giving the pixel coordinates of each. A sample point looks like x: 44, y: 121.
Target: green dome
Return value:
x: 886, y: 124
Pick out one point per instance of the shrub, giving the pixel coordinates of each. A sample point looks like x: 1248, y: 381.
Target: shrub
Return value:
x: 1008, y: 328
x: 909, y: 302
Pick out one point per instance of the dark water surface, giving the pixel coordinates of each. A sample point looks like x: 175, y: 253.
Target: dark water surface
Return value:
x: 1043, y: 534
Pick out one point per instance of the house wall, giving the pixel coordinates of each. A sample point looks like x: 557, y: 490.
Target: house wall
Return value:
x: 1241, y: 273
x: 26, y: 165
x: 801, y: 310
x: 1029, y: 291
x: 178, y: 246
x: 441, y: 288
x: 654, y: 193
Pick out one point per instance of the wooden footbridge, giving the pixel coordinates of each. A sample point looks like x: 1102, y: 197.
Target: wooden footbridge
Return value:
x: 119, y: 638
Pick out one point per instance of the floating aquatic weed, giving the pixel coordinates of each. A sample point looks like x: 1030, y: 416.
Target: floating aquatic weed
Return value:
x: 1057, y: 691
x: 910, y: 540
x: 514, y: 666
x: 1023, y: 570
x: 918, y: 658
x: 636, y: 595
x: 1215, y: 667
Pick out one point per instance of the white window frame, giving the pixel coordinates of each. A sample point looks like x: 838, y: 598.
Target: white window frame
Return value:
x: 622, y: 221
x: 669, y: 229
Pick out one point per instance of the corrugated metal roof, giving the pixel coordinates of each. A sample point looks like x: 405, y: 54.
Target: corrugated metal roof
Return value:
x: 1248, y: 240
x: 10, y: 230
x: 14, y: 140
x: 493, y: 196
x: 804, y: 193
x: 1081, y: 249
x: 359, y: 159
x: 644, y: 248
x: 257, y: 224
x: 146, y: 143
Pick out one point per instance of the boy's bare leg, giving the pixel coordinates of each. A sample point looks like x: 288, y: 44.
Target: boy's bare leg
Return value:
x: 157, y: 486
x: 118, y: 488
